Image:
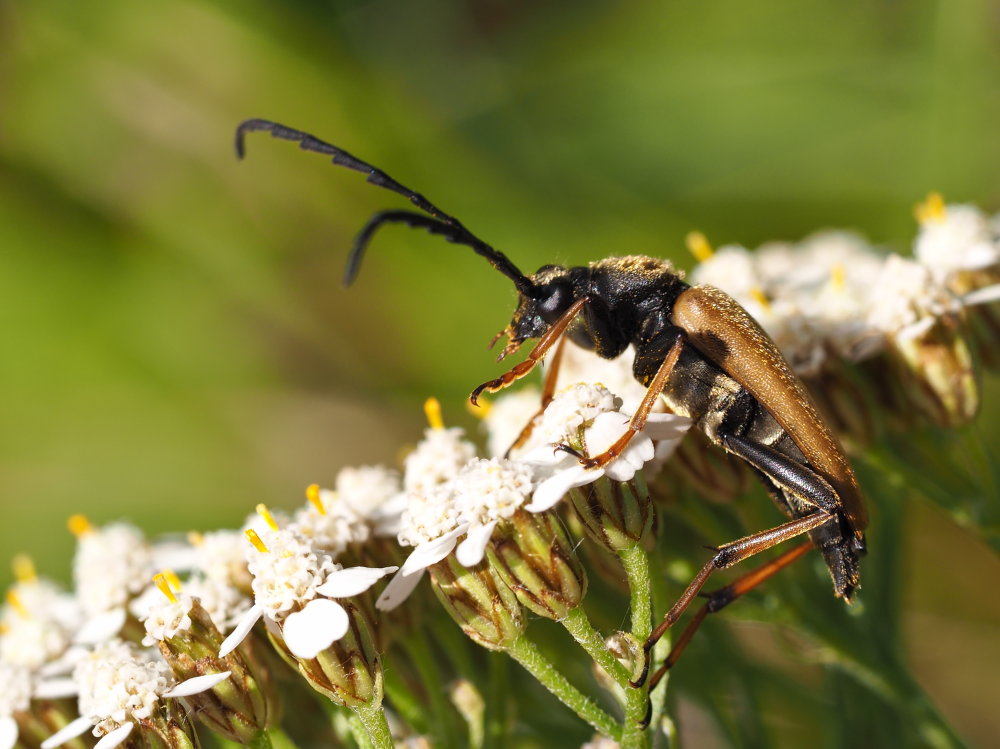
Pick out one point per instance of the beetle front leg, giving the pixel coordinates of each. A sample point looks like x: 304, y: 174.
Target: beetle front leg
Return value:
x: 546, y: 342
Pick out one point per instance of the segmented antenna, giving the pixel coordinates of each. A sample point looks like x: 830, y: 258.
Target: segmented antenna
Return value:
x: 436, y: 222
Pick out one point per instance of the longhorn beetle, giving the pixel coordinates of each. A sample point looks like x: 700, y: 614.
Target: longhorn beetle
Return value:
x: 699, y: 350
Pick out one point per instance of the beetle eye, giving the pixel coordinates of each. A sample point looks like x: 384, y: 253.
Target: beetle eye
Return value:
x: 557, y: 299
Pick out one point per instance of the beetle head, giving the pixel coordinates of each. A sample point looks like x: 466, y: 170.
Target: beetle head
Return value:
x: 550, y: 295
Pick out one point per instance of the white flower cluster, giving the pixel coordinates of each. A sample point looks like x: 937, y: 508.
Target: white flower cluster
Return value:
x: 452, y: 493
x: 119, y: 683
x: 835, y: 294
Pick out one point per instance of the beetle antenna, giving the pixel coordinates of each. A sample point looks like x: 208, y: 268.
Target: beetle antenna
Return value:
x: 437, y: 222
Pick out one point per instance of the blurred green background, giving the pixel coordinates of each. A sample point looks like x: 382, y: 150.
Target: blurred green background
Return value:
x: 176, y: 343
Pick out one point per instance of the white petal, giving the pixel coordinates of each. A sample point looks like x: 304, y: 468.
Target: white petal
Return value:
x: 554, y: 488
x: 430, y: 552
x: 984, y: 295
x: 398, y: 590
x: 242, y: 629
x: 65, y: 663
x: 352, y: 580
x: 197, y: 684
x: 310, y: 631
x: 473, y: 548
x: 605, y: 430
x: 101, y: 628
x: 68, y: 732
x: 8, y: 733
x: 116, y: 737
x: 546, y: 456
x: 661, y: 427
x: 54, y: 689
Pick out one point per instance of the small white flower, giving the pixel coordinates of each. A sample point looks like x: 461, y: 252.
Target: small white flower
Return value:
x: 111, y: 565
x: 963, y: 238
x: 509, y: 413
x: 219, y: 556
x: 580, y: 365
x: 119, y: 684
x: 33, y: 640
x: 15, y: 697
x: 437, y: 458
x: 911, y: 300
x: 589, y: 415
x: 487, y: 492
x: 367, y: 500
x: 292, y: 585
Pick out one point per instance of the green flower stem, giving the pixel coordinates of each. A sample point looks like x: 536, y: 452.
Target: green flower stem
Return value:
x: 358, y: 731
x: 661, y: 601
x: 496, y: 704
x: 524, y: 652
x: 419, y: 650
x: 372, y: 717
x: 271, y: 738
x: 578, y: 625
x: 636, y: 563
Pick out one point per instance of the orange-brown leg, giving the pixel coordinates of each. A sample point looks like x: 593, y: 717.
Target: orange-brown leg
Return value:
x: 638, y: 420
x: 544, y: 344
x: 726, y: 556
x: 719, y: 599
x: 548, y: 393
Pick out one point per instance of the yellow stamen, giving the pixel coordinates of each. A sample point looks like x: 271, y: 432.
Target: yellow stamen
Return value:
x: 760, y: 297
x: 481, y: 409
x: 162, y: 582
x: 432, y: 408
x: 268, y: 517
x: 175, y: 582
x: 24, y: 569
x: 697, y: 244
x: 312, y: 494
x: 79, y: 526
x: 4, y: 629
x: 838, y: 279
x: 259, y: 545
x: 195, y: 538
x: 15, y: 602
x: 931, y: 210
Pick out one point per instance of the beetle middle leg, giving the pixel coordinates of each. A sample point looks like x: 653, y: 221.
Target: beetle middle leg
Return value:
x: 638, y: 420
x: 548, y: 393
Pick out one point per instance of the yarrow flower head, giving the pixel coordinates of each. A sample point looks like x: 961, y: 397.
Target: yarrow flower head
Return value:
x: 588, y: 418
x: 112, y: 564
x: 954, y: 238
x: 219, y: 555
x: 294, y: 586
x: 15, y: 697
x: 367, y: 501
x: 121, y: 686
x: 439, y: 456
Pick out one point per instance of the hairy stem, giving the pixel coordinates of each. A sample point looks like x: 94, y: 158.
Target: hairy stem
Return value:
x: 524, y: 652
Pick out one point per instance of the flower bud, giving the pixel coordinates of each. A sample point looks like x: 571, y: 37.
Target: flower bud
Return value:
x: 616, y: 514
x: 237, y: 708
x: 533, y: 554
x: 348, y: 671
x: 935, y: 370
x: 482, y: 605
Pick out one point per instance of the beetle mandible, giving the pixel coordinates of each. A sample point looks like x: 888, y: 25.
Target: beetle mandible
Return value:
x: 697, y: 348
